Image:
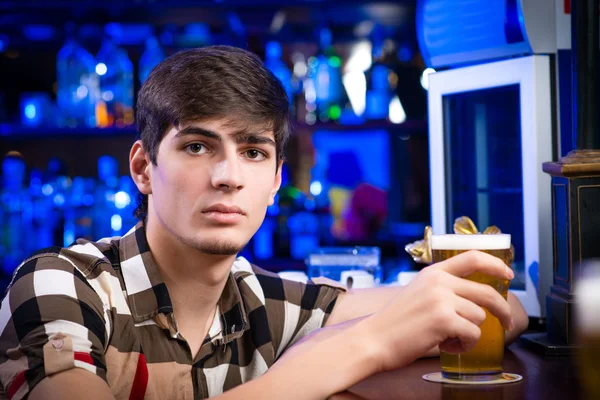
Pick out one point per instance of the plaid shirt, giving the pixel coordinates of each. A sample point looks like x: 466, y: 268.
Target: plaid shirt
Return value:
x: 103, y: 307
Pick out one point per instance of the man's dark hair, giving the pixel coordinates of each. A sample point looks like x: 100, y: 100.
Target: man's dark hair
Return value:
x: 215, y: 82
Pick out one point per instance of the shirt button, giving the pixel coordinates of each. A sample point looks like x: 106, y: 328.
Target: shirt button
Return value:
x: 58, y: 343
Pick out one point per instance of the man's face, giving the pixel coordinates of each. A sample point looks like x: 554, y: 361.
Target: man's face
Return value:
x: 212, y: 184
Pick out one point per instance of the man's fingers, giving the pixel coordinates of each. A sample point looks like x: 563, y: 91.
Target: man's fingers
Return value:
x: 485, y: 296
x: 469, y: 310
x: 466, y: 334
x: 467, y: 263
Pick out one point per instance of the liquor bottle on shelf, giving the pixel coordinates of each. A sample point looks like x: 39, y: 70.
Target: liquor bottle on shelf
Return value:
x: 323, y: 89
x: 78, y: 215
x: 56, y: 188
x: 106, y: 219
x: 381, y: 80
x: 15, y: 214
x: 42, y: 219
x: 276, y: 65
x: 152, y: 56
x: 115, y: 107
x: 78, y: 86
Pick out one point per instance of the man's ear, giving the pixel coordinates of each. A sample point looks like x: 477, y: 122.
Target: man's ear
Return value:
x: 139, y: 166
x: 276, y: 183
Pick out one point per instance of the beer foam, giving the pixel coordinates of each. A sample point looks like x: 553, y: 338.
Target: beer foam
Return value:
x: 587, y: 296
x: 471, y: 242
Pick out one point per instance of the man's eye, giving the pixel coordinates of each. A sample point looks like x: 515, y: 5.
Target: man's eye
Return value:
x: 196, y: 148
x: 254, y: 154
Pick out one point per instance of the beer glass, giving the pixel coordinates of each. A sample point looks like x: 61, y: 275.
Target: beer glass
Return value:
x: 484, y: 361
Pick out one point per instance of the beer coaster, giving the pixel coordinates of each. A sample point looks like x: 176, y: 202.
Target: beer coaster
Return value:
x: 506, y: 378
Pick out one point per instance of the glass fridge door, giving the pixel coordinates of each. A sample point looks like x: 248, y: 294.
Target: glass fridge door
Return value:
x: 490, y: 130
x: 484, y: 176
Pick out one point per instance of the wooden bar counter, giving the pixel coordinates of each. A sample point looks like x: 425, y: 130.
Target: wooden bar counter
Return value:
x: 544, y: 377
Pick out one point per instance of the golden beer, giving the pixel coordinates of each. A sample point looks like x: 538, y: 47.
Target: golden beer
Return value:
x: 484, y: 361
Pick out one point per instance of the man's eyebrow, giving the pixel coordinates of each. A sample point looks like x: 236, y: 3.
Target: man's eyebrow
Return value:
x: 250, y: 138
x: 194, y: 130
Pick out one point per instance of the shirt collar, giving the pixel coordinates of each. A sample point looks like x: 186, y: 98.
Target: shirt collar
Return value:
x: 148, y: 296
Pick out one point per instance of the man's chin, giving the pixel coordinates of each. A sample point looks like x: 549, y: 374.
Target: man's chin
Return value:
x: 219, y: 248
x: 216, y: 246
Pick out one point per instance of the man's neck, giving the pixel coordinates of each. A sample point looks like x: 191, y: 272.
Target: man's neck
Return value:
x: 195, y: 280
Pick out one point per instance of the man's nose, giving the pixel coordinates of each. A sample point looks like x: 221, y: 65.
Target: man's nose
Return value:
x: 227, y: 174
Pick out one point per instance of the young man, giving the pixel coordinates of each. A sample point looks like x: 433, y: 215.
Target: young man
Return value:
x: 168, y: 311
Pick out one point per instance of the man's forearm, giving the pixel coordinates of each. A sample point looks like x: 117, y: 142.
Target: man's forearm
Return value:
x: 338, y: 353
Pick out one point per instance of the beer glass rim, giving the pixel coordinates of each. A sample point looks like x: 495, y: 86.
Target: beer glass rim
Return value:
x: 500, y: 241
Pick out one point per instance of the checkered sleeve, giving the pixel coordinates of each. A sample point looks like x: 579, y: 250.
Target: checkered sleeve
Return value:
x: 51, y: 320
x: 296, y: 309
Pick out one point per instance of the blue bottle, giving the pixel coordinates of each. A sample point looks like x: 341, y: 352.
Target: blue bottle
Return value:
x: 42, y: 221
x: 379, y: 89
x: 115, y: 106
x: 324, y: 85
x: 104, y: 220
x: 152, y: 56
x: 304, y: 234
x: 275, y: 64
x: 77, y: 82
x: 16, y: 207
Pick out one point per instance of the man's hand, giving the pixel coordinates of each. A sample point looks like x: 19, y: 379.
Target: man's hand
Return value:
x: 438, y: 308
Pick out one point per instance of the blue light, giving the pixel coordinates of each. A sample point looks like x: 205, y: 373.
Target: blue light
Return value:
x: 316, y: 188
x: 68, y: 237
x: 47, y: 189
x: 122, y: 200
x: 59, y: 200
x: 30, y: 111
x: 101, y: 69
x: 116, y: 223
x: 273, y: 49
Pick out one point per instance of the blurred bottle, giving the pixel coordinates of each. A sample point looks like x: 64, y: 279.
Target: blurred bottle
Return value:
x: 587, y: 300
x: 78, y: 86
x: 57, y: 189
x: 304, y: 234
x: 290, y: 199
x: 323, y: 89
x: 106, y: 219
x: 37, y: 110
x: 152, y: 56
x: 115, y: 107
x: 276, y: 65
x: 15, y: 213
x: 78, y: 216
x: 381, y: 80
x: 42, y: 224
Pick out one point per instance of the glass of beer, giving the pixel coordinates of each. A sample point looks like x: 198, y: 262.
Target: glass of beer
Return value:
x: 484, y: 361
